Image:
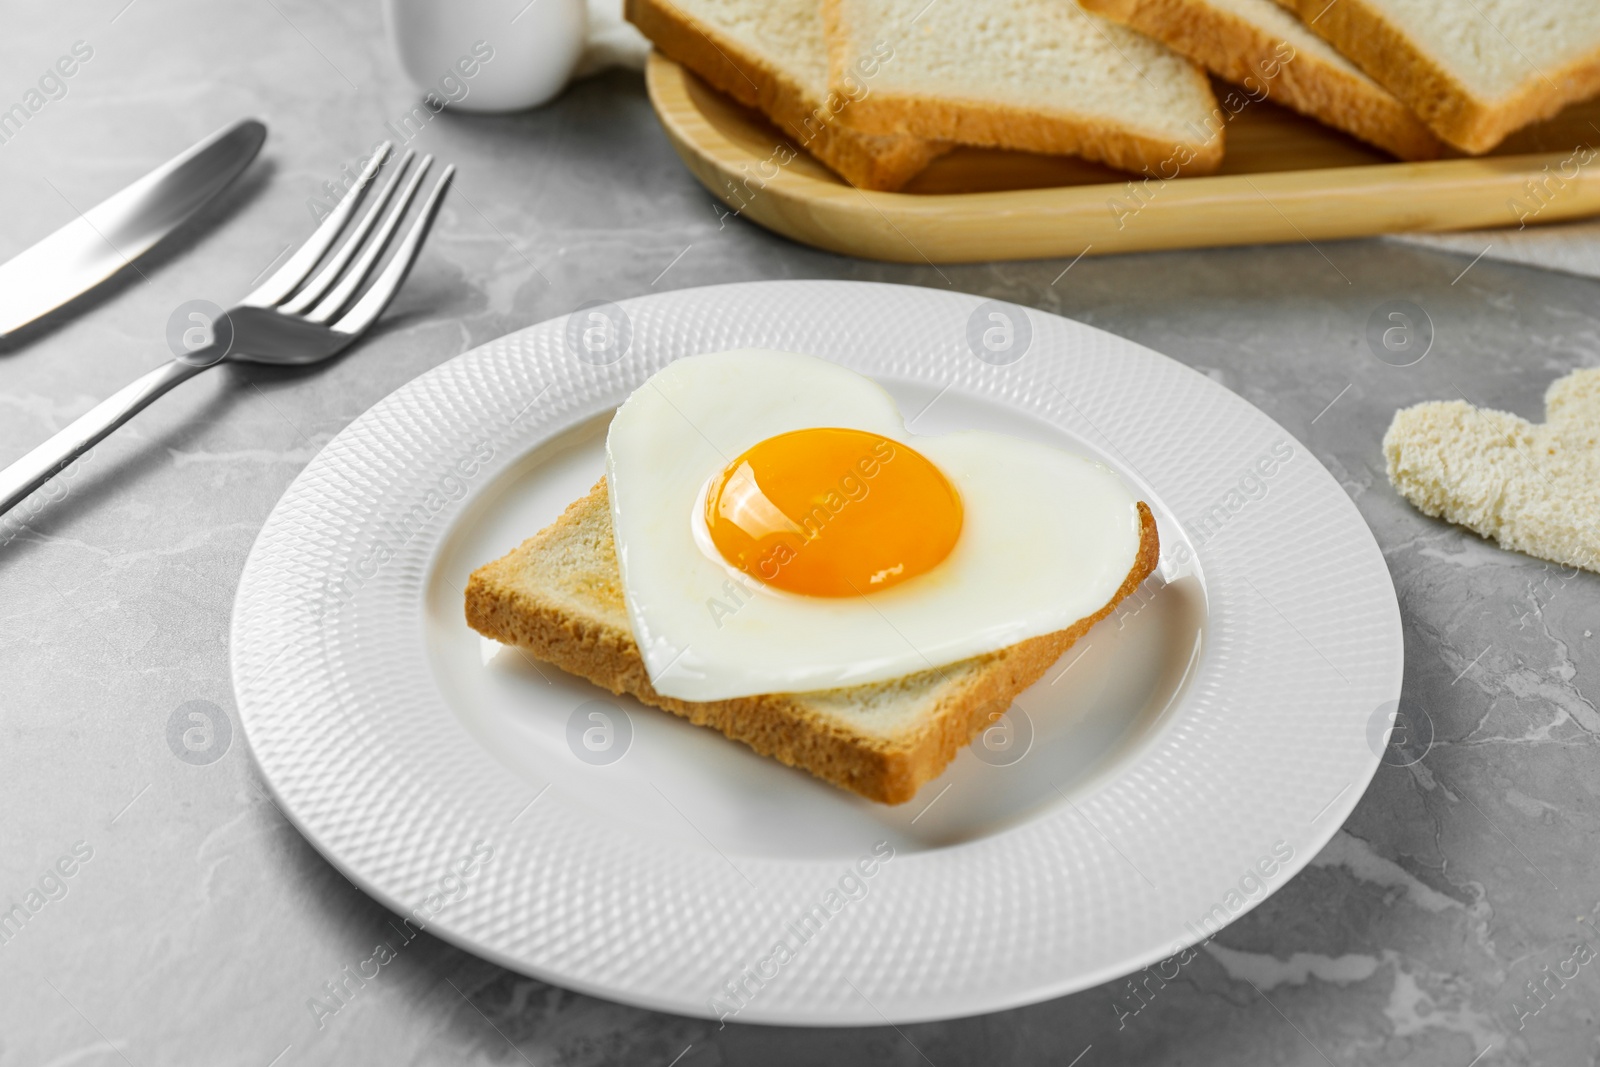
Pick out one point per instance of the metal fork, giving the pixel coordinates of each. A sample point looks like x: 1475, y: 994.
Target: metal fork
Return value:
x: 299, y: 315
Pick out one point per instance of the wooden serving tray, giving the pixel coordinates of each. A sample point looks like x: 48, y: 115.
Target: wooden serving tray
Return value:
x: 1285, y: 178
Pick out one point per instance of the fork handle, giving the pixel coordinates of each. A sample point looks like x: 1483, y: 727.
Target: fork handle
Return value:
x: 89, y: 429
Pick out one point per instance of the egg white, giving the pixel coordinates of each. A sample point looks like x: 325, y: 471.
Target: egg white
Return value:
x: 1047, y: 537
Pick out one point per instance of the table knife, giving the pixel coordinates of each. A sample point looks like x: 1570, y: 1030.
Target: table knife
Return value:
x: 111, y: 235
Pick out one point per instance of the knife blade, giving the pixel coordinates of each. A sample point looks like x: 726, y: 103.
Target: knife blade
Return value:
x: 111, y: 235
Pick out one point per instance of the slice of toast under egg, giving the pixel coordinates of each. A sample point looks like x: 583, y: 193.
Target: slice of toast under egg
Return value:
x: 559, y: 596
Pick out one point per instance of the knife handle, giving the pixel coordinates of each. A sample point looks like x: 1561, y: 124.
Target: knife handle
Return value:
x: 44, y: 462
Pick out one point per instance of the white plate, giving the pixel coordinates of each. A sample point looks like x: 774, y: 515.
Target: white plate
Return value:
x: 1179, y: 764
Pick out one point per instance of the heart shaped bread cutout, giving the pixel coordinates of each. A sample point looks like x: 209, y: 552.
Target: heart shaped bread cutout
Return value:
x: 1532, y: 487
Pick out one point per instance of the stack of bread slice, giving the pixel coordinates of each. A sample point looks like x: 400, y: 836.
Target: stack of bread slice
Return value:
x: 770, y: 54
x: 1473, y: 70
x: 1037, y: 75
x: 1266, y: 51
x: 876, y: 89
x: 1397, y: 73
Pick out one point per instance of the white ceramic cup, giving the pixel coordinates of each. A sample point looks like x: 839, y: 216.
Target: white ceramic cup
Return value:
x: 489, y: 55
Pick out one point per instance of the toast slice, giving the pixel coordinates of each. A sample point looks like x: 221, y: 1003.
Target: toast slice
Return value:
x: 559, y: 596
x: 770, y: 55
x: 1261, y: 47
x: 1035, y: 75
x: 1473, y: 70
x: 1532, y: 487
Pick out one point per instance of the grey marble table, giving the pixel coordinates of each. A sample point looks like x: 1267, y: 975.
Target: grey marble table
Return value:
x: 197, y: 924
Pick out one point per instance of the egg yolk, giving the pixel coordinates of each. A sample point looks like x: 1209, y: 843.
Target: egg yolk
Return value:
x: 833, y: 512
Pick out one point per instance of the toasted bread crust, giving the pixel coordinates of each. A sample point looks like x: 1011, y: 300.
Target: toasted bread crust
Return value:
x: 864, y: 160
x: 579, y: 623
x: 991, y: 124
x: 1239, y: 51
x: 1398, y: 63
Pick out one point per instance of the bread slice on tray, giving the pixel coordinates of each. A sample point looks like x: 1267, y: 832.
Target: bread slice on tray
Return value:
x: 1473, y: 70
x: 1264, y: 49
x: 1036, y: 75
x: 770, y: 55
x: 1533, y: 487
x: 559, y: 596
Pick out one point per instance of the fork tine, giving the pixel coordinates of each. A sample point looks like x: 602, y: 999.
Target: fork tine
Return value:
x: 316, y: 287
x: 298, y: 266
x: 370, y: 306
x: 356, y: 274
